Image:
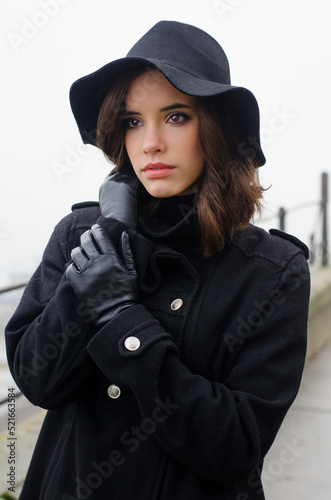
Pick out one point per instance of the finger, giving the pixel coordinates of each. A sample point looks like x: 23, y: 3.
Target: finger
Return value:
x: 127, y: 254
x: 102, y: 240
x: 88, y: 246
x: 71, y: 273
x: 79, y: 260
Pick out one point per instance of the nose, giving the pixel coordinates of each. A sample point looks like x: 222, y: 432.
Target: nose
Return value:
x: 153, y: 141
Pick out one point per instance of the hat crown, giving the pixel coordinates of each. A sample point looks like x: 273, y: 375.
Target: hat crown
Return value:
x: 186, y: 47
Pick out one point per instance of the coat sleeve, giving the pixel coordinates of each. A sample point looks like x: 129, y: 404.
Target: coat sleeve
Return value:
x: 218, y: 430
x: 46, y: 337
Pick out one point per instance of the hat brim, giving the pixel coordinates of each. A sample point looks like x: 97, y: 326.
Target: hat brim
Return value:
x: 87, y: 95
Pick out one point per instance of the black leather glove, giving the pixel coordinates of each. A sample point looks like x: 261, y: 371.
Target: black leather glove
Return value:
x: 105, y: 281
x: 118, y: 197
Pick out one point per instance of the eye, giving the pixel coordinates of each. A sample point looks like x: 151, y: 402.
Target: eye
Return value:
x: 177, y: 117
x: 132, y: 123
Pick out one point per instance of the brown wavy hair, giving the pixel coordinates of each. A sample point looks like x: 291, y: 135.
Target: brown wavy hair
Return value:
x: 229, y: 192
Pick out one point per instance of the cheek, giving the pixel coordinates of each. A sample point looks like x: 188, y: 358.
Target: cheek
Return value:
x: 131, y: 148
x: 191, y: 148
x: 127, y: 144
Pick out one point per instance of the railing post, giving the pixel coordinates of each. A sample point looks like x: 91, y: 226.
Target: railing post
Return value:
x: 312, y: 249
x: 281, y: 215
x: 324, y: 206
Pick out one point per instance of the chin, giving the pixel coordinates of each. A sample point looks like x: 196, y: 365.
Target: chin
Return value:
x: 162, y: 194
x: 159, y: 192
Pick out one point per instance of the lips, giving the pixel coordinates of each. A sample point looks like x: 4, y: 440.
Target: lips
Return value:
x: 157, y: 166
x: 157, y: 170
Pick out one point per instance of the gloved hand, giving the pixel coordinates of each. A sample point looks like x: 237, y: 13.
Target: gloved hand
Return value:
x: 106, y: 282
x: 118, y: 197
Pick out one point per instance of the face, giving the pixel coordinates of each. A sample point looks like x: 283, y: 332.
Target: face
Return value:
x: 161, y: 136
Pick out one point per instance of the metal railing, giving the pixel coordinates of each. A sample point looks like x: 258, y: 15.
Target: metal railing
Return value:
x: 11, y: 288
x: 323, y: 204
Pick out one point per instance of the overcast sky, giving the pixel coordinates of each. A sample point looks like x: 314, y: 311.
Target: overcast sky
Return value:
x: 280, y: 50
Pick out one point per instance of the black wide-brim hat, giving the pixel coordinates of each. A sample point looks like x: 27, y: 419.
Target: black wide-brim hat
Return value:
x: 192, y: 61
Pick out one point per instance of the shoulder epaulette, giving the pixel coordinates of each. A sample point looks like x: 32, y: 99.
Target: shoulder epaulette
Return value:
x: 292, y: 239
x: 84, y: 204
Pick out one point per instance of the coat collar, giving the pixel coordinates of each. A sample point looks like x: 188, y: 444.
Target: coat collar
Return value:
x: 175, y: 223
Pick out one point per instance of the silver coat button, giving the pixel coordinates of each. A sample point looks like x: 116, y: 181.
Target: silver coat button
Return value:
x: 114, y: 392
x: 132, y: 343
x: 176, y: 304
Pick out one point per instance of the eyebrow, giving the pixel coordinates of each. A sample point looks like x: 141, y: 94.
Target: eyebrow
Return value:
x: 175, y: 105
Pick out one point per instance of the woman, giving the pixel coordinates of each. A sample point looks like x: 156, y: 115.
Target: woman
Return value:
x: 164, y: 333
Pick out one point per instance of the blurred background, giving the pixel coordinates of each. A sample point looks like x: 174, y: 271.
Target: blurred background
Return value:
x: 280, y: 50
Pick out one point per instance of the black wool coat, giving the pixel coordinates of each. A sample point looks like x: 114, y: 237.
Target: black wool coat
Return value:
x: 191, y: 412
